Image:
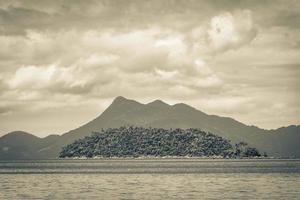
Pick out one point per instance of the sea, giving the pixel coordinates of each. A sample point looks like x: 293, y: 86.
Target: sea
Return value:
x: 158, y: 178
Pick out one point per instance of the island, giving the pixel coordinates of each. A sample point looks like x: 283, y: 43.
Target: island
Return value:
x: 156, y: 142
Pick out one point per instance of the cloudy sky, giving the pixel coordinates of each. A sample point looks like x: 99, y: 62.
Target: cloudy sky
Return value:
x: 63, y: 62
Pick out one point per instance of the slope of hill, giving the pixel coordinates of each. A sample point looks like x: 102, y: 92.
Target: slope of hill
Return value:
x: 283, y: 142
x: 157, y: 142
x: 22, y: 145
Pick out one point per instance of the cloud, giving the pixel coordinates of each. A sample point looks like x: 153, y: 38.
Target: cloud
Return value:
x: 66, y: 54
x: 106, y: 64
x: 53, y: 77
x: 98, y: 60
x: 230, y: 31
x: 32, y: 76
x: 4, y: 109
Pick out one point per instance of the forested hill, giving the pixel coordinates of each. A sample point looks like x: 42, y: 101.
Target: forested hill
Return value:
x: 138, y: 141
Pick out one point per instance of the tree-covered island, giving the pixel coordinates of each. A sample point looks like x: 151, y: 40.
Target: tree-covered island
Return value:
x: 155, y: 142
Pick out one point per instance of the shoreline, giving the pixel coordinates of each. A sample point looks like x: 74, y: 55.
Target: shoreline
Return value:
x: 176, y: 158
x: 154, y: 159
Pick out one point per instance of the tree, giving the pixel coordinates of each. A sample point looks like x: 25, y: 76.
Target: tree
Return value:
x: 240, y: 148
x: 251, y: 152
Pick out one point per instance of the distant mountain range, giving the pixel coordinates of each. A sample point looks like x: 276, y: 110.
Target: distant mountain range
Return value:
x: 282, y: 142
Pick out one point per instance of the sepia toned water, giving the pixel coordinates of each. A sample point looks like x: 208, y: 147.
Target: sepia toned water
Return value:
x: 150, y: 179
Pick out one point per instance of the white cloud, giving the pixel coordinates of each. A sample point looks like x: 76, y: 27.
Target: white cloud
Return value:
x: 33, y: 77
x: 228, y: 30
x: 202, y: 67
x: 52, y: 77
x: 209, y: 82
x: 167, y: 75
x: 100, y: 59
x: 107, y: 64
x: 231, y: 30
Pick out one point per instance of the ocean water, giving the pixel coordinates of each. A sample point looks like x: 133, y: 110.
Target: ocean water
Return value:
x: 150, y: 179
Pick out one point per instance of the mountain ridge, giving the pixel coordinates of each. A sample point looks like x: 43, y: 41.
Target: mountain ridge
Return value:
x: 281, y: 142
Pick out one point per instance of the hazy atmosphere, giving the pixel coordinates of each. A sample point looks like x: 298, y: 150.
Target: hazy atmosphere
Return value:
x: 63, y: 62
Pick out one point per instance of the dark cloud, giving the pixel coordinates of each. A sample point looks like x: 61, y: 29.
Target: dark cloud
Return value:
x: 287, y: 18
x: 18, y: 16
x: 4, y: 110
x: 16, y: 20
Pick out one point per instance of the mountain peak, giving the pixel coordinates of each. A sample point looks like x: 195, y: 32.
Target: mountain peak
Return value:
x: 18, y: 138
x: 121, y: 104
x: 18, y: 134
x: 120, y: 99
x: 184, y: 106
x: 158, y: 103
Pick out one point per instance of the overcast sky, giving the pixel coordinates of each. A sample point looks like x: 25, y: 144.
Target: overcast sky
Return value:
x: 63, y: 62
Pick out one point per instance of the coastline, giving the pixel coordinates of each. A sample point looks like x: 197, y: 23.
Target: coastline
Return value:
x: 173, y: 158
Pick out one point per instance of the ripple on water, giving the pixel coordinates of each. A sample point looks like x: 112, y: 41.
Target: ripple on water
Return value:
x: 162, y: 180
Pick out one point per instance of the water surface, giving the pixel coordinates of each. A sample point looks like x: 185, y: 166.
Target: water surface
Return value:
x: 150, y: 179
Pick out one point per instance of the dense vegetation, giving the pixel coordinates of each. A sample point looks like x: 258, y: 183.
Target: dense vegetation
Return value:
x: 137, y: 141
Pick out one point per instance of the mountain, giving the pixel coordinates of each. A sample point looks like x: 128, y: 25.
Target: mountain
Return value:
x: 22, y: 145
x: 282, y: 142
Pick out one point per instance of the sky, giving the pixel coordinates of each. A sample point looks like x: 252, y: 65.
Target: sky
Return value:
x: 63, y: 62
